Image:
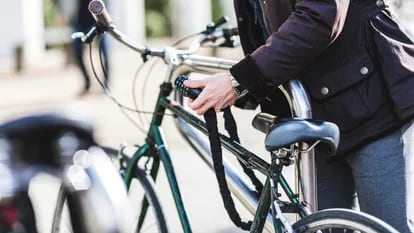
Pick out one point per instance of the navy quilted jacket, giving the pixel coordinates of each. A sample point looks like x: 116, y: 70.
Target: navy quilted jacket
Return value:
x: 355, y: 62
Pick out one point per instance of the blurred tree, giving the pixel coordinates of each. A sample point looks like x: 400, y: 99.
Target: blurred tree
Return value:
x: 217, y: 10
x: 157, y: 16
x: 50, y: 14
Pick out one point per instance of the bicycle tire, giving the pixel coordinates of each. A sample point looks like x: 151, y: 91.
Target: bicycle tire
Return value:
x: 57, y: 214
x: 145, y: 189
x: 342, y: 220
x: 157, y: 214
x: 157, y: 217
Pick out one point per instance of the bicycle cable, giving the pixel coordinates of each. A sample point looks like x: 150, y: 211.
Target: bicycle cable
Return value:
x: 143, y: 88
x: 108, y: 92
x: 105, y: 87
x: 111, y: 97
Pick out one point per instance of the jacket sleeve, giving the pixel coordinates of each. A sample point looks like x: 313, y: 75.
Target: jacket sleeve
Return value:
x: 309, y: 30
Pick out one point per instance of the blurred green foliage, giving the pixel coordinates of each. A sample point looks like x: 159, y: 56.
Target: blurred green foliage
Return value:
x: 157, y: 15
x: 217, y: 10
x: 50, y: 14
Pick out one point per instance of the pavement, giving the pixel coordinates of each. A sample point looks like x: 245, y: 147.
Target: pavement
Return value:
x: 52, y: 85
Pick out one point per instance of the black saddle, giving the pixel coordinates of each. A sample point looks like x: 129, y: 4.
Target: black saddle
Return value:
x: 43, y: 139
x: 284, y: 132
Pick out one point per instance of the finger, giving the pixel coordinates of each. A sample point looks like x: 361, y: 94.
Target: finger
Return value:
x: 203, y: 109
x: 228, y: 101
x: 220, y: 106
x: 194, y: 83
x: 197, y: 103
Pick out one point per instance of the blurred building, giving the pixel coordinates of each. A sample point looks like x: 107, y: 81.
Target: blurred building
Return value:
x: 22, y: 25
x: 404, y: 10
x: 25, y: 37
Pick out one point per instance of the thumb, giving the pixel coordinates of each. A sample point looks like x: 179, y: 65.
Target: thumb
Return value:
x: 194, y: 83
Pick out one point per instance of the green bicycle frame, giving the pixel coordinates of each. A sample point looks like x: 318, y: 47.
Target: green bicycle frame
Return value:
x: 155, y: 147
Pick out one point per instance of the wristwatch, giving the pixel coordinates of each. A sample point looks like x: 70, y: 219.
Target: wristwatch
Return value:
x: 237, y: 88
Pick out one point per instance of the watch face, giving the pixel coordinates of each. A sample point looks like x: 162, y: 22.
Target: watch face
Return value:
x: 244, y: 92
x: 234, y: 83
x: 240, y: 91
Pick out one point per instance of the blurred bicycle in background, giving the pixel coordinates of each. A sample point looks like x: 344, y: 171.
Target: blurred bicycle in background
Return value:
x: 61, y: 146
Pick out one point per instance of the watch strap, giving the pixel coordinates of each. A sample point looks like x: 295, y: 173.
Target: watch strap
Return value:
x: 237, y: 88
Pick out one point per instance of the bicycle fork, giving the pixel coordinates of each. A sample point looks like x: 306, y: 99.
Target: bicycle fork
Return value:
x: 155, y: 144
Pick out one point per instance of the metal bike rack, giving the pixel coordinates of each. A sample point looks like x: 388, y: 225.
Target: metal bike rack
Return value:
x: 300, y: 106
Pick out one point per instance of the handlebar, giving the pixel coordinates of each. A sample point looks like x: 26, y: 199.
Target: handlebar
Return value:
x: 105, y: 24
x: 100, y: 14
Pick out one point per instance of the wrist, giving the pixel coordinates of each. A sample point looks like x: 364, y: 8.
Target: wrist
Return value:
x: 237, y: 88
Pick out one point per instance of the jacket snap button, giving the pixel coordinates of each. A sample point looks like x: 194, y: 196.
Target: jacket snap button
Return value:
x: 324, y: 90
x: 380, y: 3
x: 363, y: 70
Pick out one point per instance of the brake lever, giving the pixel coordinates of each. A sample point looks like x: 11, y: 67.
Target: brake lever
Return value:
x: 213, y: 26
x: 88, y: 37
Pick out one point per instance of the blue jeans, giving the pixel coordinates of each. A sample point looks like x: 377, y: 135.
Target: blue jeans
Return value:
x: 382, y: 175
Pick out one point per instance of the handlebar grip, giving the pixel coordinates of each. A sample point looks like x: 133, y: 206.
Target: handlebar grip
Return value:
x: 213, y: 26
x: 184, y: 90
x: 99, y: 13
x: 222, y: 20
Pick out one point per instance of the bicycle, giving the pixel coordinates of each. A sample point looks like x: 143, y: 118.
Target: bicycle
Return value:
x: 63, y: 147
x: 268, y: 209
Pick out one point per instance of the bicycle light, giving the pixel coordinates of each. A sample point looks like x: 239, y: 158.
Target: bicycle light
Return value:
x: 98, y: 10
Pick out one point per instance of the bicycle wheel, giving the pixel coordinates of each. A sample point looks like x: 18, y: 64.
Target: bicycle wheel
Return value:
x: 142, y: 197
x: 341, y: 220
x: 57, y: 214
x: 148, y: 215
x: 141, y: 192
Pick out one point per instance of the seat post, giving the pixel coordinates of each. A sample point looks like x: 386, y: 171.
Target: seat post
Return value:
x: 300, y: 107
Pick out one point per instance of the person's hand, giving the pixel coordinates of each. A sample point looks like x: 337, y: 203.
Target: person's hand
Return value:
x: 217, y: 93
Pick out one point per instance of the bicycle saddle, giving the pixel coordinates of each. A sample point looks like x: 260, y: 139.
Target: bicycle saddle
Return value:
x: 284, y: 132
x: 44, y: 138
